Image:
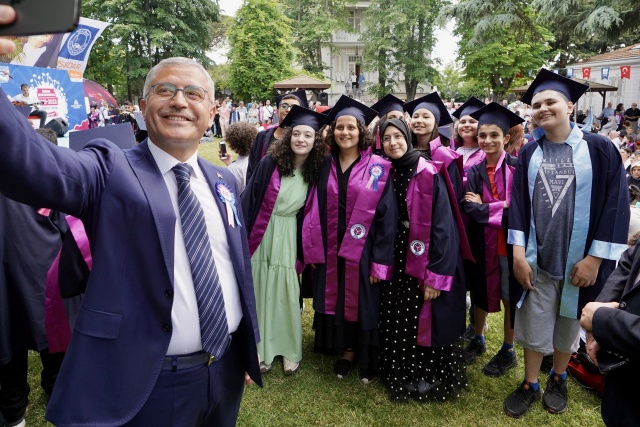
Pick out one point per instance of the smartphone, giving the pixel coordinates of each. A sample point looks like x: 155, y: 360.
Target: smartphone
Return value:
x: 223, y: 150
x: 42, y: 17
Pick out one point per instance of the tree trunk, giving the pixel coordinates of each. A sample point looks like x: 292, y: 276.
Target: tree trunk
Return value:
x: 410, y: 87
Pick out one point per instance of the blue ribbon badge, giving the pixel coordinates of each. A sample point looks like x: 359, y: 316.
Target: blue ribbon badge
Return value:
x: 376, y: 171
x: 227, y: 197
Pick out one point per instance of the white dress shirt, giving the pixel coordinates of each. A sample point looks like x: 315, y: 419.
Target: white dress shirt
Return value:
x: 184, y: 312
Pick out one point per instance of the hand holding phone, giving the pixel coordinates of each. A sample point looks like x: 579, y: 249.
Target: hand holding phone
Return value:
x: 223, y: 150
x: 7, y: 16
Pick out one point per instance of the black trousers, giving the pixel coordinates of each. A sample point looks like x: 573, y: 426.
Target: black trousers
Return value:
x: 14, y: 386
x: 41, y: 114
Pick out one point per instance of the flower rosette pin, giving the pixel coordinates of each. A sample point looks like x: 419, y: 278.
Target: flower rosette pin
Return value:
x: 376, y: 171
x: 227, y: 197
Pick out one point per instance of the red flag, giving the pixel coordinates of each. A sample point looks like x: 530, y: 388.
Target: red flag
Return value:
x: 586, y: 73
x: 625, y: 72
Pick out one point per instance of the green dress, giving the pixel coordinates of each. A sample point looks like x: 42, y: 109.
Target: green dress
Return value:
x: 275, y: 279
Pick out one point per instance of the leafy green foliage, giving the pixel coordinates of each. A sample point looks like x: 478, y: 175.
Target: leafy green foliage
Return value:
x: 313, y: 24
x: 260, y: 49
x: 399, y: 39
x: 143, y: 32
x: 454, y: 85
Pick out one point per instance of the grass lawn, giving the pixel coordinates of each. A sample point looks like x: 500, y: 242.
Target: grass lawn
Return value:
x: 315, y: 397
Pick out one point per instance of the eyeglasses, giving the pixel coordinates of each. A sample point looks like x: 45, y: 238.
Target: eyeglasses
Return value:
x: 396, y: 137
x: 194, y: 94
x: 285, y: 106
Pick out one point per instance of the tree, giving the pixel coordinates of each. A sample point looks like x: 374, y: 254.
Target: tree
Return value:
x: 143, y: 32
x: 580, y: 28
x: 399, y: 38
x: 260, y: 49
x: 314, y: 23
x: 496, y: 62
x: 453, y: 84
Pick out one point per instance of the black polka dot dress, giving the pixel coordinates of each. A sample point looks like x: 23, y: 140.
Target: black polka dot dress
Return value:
x: 409, y: 370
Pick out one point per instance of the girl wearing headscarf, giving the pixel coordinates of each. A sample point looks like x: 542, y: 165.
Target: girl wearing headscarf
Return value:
x: 348, y: 236
x: 422, y: 309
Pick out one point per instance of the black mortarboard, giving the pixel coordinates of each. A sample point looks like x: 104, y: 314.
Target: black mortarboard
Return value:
x: 433, y: 103
x: 472, y: 105
x: 386, y: 104
x: 302, y: 116
x: 446, y: 131
x: 300, y: 94
x: 548, y: 80
x: 350, y: 107
x: 496, y: 114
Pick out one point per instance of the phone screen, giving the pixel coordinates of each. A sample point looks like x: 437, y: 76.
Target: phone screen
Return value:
x: 42, y: 17
x: 223, y: 149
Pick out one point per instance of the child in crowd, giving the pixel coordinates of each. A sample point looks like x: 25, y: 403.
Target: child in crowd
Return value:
x: 486, y: 204
x: 568, y: 225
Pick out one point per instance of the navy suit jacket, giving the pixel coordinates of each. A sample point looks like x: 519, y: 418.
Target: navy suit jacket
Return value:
x: 123, y: 330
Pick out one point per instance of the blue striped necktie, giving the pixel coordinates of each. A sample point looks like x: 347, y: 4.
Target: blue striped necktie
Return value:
x: 214, y: 328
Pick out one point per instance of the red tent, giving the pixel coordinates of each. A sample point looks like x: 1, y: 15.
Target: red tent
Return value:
x: 96, y: 93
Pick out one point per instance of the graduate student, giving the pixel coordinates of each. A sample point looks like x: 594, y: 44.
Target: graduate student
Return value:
x: 428, y: 115
x: 348, y: 236
x: 486, y: 203
x: 422, y: 308
x: 264, y: 139
x: 467, y: 137
x: 568, y: 223
x: 274, y: 202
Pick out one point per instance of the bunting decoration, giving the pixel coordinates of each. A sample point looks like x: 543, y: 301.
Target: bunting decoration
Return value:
x: 604, y: 73
x: 625, y: 72
x: 570, y: 74
x: 586, y: 73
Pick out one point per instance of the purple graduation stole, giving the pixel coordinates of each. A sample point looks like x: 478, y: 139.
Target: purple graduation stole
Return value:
x: 262, y: 220
x: 445, y: 155
x: 361, y: 207
x: 496, y: 208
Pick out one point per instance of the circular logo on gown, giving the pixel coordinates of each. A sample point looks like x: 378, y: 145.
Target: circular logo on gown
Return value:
x: 357, y: 231
x: 417, y: 247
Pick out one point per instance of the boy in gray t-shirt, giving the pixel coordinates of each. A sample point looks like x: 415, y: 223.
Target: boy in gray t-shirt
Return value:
x: 569, y: 208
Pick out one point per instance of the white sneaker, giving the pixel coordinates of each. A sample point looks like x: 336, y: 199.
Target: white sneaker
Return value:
x: 468, y: 302
x: 290, y: 367
x: 20, y: 424
x: 264, y: 368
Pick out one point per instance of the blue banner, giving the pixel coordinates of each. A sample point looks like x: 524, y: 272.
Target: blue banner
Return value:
x: 556, y: 70
x: 58, y: 95
x: 604, y: 73
x: 570, y: 73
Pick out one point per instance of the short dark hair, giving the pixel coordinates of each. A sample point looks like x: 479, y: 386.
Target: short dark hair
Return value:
x: 128, y: 103
x: 365, y: 139
x: 24, y: 85
x: 240, y: 137
x: 48, y: 134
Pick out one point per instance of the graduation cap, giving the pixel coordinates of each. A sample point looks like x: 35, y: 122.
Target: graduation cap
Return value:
x: 302, y: 116
x: 350, y: 107
x: 387, y: 104
x: 323, y: 109
x: 446, y: 131
x: 433, y: 103
x: 496, y: 114
x: 472, y: 105
x: 120, y: 134
x: 548, y: 80
x: 300, y: 94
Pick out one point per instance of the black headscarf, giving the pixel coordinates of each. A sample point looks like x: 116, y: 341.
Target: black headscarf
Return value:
x: 410, y: 158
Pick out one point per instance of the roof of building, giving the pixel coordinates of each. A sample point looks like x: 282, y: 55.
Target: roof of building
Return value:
x: 302, y: 82
x: 632, y: 51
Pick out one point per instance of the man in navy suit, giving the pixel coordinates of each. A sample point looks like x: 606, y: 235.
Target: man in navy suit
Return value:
x: 135, y: 357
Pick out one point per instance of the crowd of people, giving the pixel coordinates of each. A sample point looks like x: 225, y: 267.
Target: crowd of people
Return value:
x: 191, y: 277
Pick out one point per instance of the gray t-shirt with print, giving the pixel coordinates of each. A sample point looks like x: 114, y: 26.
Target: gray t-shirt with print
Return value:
x: 554, y: 198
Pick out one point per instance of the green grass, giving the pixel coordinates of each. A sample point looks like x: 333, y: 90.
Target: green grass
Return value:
x: 315, y: 397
